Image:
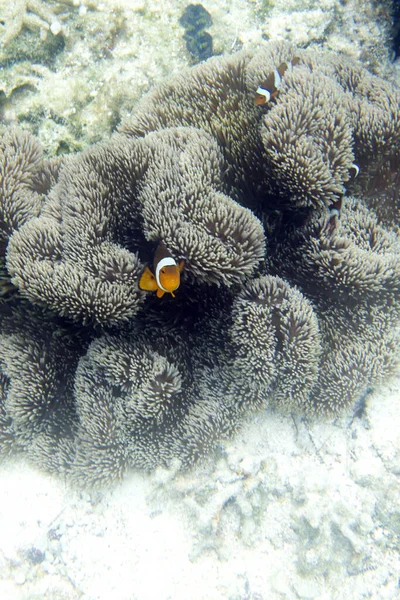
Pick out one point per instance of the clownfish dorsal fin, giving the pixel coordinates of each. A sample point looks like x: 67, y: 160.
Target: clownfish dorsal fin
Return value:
x: 160, y: 253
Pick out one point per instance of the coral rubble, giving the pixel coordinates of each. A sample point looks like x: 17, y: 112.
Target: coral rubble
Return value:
x: 32, y: 14
x: 290, y: 290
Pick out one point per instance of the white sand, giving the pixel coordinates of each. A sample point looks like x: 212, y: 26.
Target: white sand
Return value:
x: 287, y: 509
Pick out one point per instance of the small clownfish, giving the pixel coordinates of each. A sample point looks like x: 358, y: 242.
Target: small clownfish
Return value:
x: 336, y: 207
x: 269, y: 89
x: 167, y: 274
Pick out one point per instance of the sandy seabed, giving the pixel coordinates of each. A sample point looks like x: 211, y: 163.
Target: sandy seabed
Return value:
x: 289, y: 508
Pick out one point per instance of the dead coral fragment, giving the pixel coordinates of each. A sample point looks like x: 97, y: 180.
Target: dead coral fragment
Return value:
x: 33, y: 14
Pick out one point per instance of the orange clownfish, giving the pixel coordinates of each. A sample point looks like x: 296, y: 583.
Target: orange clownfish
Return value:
x: 269, y: 89
x: 167, y: 274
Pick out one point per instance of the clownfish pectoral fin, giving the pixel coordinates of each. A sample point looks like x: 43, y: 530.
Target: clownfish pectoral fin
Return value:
x: 147, y: 281
x: 181, y: 266
x: 160, y: 293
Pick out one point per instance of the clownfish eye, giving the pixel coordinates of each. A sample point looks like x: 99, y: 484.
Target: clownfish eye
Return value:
x: 163, y: 271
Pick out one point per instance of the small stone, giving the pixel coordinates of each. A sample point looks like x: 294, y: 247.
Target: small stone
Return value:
x: 55, y: 27
x: 20, y: 578
x: 307, y: 589
x: 48, y: 567
x: 366, y: 523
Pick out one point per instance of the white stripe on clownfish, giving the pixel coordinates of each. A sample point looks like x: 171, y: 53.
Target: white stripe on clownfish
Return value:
x: 277, y: 78
x: 168, y: 261
x: 355, y: 168
x: 336, y: 208
x: 269, y: 89
x: 264, y: 94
